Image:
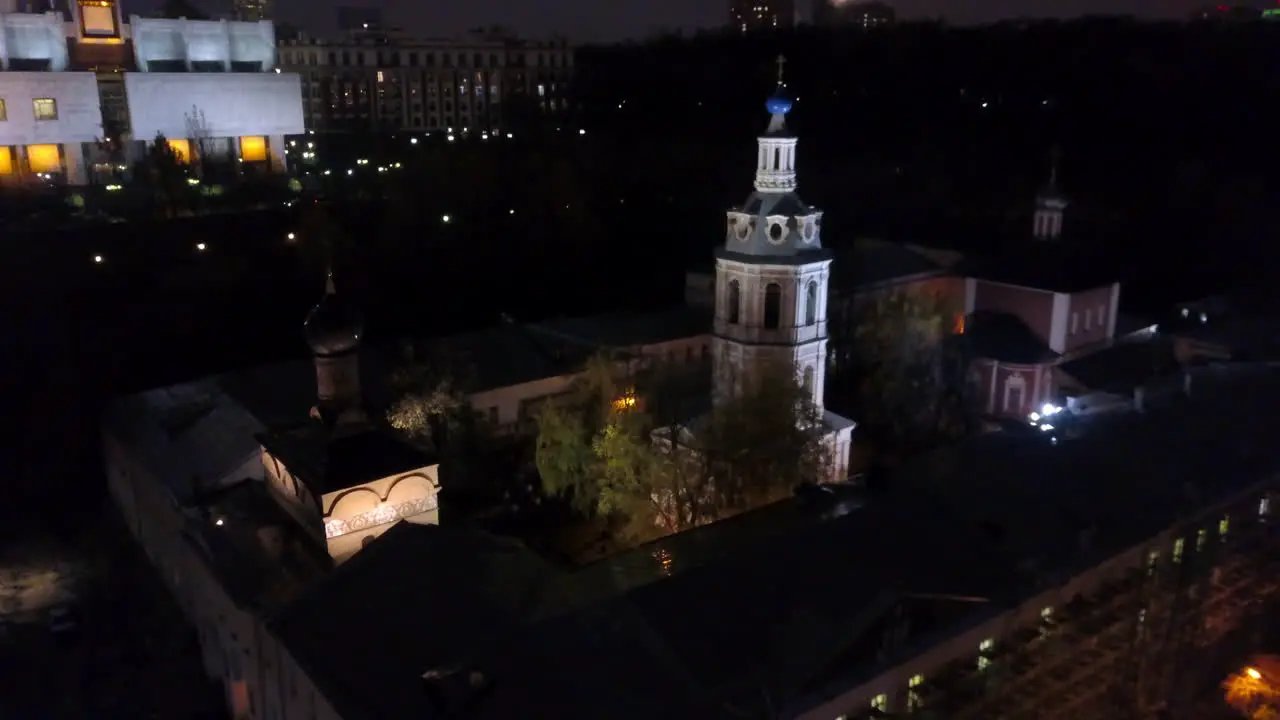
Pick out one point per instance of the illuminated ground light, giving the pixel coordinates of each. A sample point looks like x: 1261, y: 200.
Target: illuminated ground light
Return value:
x: 201, y: 247
x: 582, y: 132
x: 509, y: 136
x: 413, y: 141
x: 291, y: 237
x: 512, y: 211
x: 97, y: 259
x: 445, y: 218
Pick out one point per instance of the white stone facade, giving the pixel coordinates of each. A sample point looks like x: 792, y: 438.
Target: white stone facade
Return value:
x: 212, y: 107
x: 766, y: 314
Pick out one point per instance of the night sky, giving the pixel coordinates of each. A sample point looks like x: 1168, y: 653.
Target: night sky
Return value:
x: 605, y: 20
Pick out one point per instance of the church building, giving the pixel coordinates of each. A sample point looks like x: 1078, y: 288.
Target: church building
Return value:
x: 771, y: 285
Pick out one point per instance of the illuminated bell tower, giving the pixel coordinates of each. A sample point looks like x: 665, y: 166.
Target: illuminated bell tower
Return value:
x: 1051, y: 205
x: 772, y: 272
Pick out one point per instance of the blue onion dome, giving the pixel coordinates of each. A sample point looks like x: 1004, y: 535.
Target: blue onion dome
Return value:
x: 778, y: 104
x: 333, y: 326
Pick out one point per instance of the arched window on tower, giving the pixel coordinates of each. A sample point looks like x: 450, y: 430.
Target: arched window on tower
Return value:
x: 735, y: 301
x: 772, y: 306
x: 811, y: 303
x: 808, y: 380
x: 777, y: 158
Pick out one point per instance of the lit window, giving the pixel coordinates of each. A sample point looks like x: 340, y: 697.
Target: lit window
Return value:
x: 987, y: 645
x: 1224, y: 525
x: 379, y: 76
x: 44, y: 158
x: 1153, y: 559
x: 1264, y: 506
x: 914, y: 700
x: 880, y: 702
x: 253, y: 148
x: 1047, y: 614
x: 45, y: 108
x: 1177, y: 550
x: 957, y: 326
x: 1201, y: 538
x: 4, y: 114
x: 6, y: 161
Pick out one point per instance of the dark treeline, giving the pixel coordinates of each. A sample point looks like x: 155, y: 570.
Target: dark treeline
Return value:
x: 943, y: 135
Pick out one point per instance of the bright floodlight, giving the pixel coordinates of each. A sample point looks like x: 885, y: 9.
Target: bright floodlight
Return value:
x: 291, y: 236
x: 97, y: 259
x: 1253, y: 673
x: 445, y: 218
x: 200, y: 246
x: 413, y: 141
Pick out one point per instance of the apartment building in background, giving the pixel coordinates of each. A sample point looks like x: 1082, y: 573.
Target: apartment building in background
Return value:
x: 70, y: 80
x: 382, y: 80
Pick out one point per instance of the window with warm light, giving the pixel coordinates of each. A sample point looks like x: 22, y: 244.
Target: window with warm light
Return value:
x: 1224, y: 526
x: 1177, y: 550
x: 957, y: 325
x: 45, y: 108
x: 253, y: 148
x: 44, y: 159
x: 6, y: 161
x: 880, y: 703
x: 4, y: 113
x: 1201, y: 538
x: 98, y: 18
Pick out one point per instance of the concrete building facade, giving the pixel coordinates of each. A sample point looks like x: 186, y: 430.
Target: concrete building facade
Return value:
x: 71, y: 83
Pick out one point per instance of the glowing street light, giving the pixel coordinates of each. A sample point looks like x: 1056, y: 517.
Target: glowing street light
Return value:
x: 200, y: 247
x: 97, y: 259
x: 292, y: 237
x: 413, y: 141
x: 445, y: 219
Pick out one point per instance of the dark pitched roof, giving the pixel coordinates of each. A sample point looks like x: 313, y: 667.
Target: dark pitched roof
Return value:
x: 767, y: 619
x: 623, y: 331
x: 226, y: 528
x: 868, y: 264
x: 1042, y: 265
x: 1123, y: 366
x: 770, y: 616
x: 326, y: 461
x: 1125, y: 480
x: 419, y: 598
x: 1005, y: 337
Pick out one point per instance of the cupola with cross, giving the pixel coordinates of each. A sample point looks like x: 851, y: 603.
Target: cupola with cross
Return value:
x: 1051, y: 205
x: 772, y: 271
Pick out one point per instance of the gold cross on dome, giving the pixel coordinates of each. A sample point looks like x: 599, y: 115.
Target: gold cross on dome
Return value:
x: 782, y: 61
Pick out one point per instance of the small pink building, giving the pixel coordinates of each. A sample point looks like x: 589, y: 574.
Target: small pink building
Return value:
x: 1028, y: 314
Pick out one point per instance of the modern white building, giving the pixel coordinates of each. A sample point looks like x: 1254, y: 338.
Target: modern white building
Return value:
x: 70, y: 80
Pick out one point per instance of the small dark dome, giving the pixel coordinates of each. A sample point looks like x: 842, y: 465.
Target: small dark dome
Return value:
x: 778, y: 105
x: 333, y: 326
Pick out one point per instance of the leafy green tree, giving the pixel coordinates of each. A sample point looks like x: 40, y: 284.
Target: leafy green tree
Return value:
x: 433, y: 407
x: 763, y: 442
x: 905, y: 374
x: 166, y: 174
x: 596, y: 446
